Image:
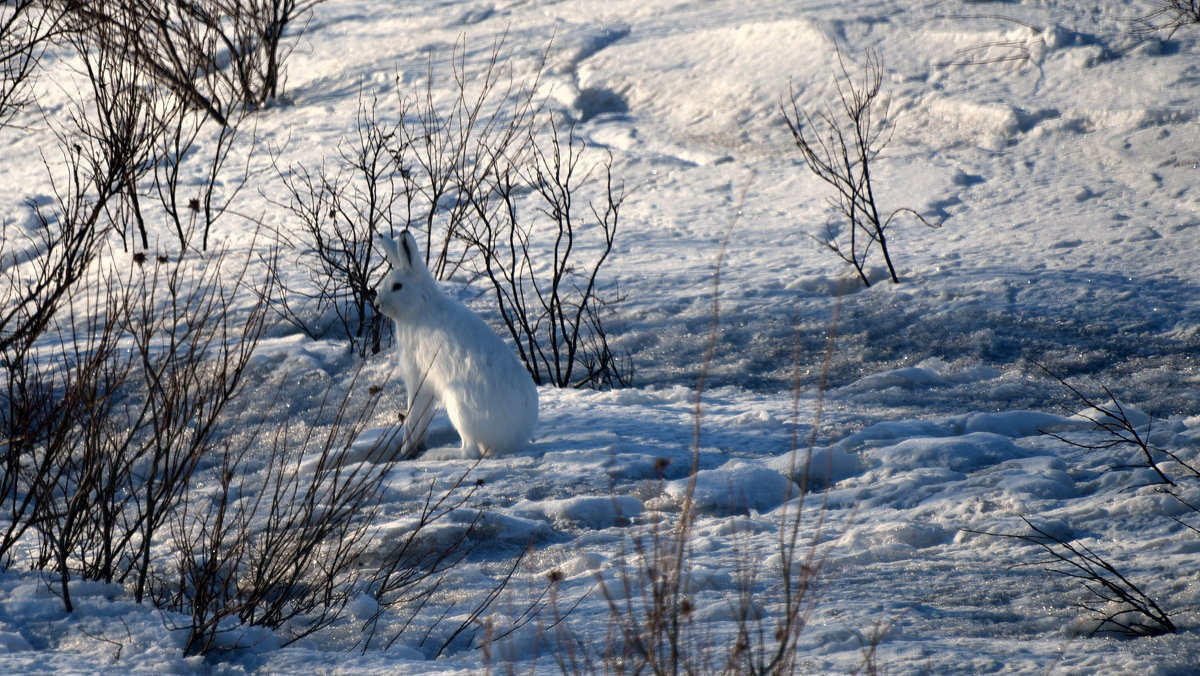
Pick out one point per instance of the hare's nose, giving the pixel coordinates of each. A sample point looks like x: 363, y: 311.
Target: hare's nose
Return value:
x: 371, y: 295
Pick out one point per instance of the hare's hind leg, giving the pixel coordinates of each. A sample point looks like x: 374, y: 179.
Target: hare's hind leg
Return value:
x: 467, y: 428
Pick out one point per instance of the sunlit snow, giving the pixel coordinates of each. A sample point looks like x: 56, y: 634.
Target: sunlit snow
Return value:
x: 1059, y: 151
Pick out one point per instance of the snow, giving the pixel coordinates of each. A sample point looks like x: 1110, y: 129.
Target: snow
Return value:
x: 1059, y: 150
x: 595, y: 512
x: 733, y: 488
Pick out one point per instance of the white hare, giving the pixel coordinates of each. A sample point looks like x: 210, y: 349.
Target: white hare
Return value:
x: 449, y: 355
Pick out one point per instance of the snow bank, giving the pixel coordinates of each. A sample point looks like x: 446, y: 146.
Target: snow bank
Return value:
x: 591, y: 512
x: 817, y: 468
x: 734, y: 488
x: 887, y: 542
x: 965, y: 453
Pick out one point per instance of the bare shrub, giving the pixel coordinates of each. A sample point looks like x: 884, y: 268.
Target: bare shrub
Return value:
x: 486, y: 160
x: 446, y: 151
x: 193, y: 347
x: 165, y: 48
x: 216, y: 55
x: 26, y: 26
x: 57, y: 408
x: 117, y: 125
x: 414, y: 167
x: 194, y: 211
x: 290, y: 534
x: 252, y: 33
x: 1169, y: 16
x: 341, y: 208
x: 1123, y: 607
x: 40, y: 273
x: 1114, y: 420
x: 54, y: 257
x: 491, y: 196
x: 277, y: 542
x: 547, y: 298
x: 110, y: 424
x: 841, y: 143
x: 150, y: 134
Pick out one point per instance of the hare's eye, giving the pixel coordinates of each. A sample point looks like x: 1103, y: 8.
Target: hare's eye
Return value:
x: 397, y: 286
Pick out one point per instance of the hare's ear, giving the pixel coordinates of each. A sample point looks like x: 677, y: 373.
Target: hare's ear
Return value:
x: 390, y: 250
x: 409, y: 251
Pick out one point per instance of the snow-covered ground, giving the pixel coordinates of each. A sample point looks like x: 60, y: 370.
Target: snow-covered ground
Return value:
x: 1060, y: 151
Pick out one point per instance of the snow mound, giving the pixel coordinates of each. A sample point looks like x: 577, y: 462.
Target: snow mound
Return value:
x: 587, y: 563
x: 716, y: 98
x: 730, y: 610
x: 1013, y: 424
x: 12, y: 642
x: 890, y: 541
x: 494, y: 526
x: 590, y: 512
x: 1019, y: 423
x: 816, y: 469
x: 966, y: 453
x: 735, y: 488
x: 909, y: 377
x: 891, y: 430
x: 1092, y: 416
x: 931, y: 373
x: 976, y: 118
x: 1042, y: 478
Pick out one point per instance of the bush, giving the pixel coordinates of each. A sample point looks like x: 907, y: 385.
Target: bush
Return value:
x: 840, y: 144
x: 287, y: 539
x: 550, y: 303
x: 132, y: 137
x: 25, y: 29
x: 215, y: 55
x: 106, y: 428
x: 480, y: 168
x: 1169, y: 16
x: 1123, y: 607
x: 341, y: 207
x: 278, y: 547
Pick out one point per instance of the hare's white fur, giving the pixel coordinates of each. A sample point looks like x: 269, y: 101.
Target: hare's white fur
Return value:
x: 449, y: 356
